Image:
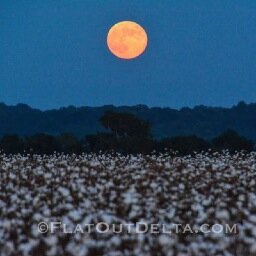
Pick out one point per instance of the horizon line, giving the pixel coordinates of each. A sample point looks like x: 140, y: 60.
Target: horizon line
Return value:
x: 126, y: 106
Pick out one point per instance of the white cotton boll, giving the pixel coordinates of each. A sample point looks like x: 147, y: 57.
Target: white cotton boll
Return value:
x: 68, y: 206
x: 36, y: 200
x: 129, y: 198
x: 6, y: 224
x: 252, y: 198
x: 14, y: 198
x: 8, y: 248
x: 153, y: 185
x: 48, y: 175
x: 51, y: 240
x: 167, y: 165
x: 64, y: 191
x: 27, y: 247
x: 181, y: 186
x: 164, y: 240
x: 222, y: 214
x: 252, y: 183
x: 87, y: 203
x: 254, y: 231
x: 207, y: 202
x: 132, y: 214
x: 75, y: 215
x: 52, y: 251
x: 252, y: 218
x: 2, y: 204
x: 92, y: 190
x: 46, y: 212
x: 115, y: 240
x: 107, y: 218
x: 253, y: 249
x: 12, y: 176
x: 171, y: 213
x: 24, y: 211
x: 34, y: 231
x: 109, y: 184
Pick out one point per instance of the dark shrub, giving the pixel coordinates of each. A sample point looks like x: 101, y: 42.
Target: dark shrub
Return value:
x: 12, y: 144
x: 231, y: 140
x: 185, y: 144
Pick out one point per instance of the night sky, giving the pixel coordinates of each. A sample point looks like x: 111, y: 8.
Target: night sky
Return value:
x: 54, y: 53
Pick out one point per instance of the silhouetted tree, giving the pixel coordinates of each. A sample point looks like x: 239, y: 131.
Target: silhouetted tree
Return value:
x: 128, y: 134
x: 125, y: 124
x: 231, y: 140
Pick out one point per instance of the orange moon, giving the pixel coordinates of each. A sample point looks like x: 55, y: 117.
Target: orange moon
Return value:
x: 127, y: 40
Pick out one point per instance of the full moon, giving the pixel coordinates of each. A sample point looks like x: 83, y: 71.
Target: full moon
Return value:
x: 127, y: 40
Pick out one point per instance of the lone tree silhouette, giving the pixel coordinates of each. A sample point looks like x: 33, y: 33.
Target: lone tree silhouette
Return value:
x: 125, y: 125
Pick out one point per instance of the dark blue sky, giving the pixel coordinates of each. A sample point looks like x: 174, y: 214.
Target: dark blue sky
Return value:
x: 54, y: 53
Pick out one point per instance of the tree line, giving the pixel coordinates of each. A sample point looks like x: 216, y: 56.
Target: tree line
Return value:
x: 126, y: 133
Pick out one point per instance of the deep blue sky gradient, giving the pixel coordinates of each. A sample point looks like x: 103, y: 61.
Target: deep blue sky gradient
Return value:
x: 53, y: 53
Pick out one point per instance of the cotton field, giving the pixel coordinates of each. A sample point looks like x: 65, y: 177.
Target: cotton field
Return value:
x: 128, y: 205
